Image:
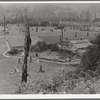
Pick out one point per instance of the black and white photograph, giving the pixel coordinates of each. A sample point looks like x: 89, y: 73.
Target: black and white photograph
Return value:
x: 50, y: 48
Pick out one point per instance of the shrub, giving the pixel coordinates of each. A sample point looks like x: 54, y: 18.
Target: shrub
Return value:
x: 73, y: 82
x: 53, y: 47
x: 60, y: 26
x: 92, y: 41
x: 66, y: 54
x: 44, y: 23
x: 13, y: 52
x: 42, y: 46
x: 90, y: 58
x: 41, y: 85
x: 36, y: 23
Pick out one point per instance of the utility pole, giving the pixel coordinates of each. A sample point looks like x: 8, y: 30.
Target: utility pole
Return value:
x: 27, y: 45
x: 62, y: 33
x: 88, y: 32
x: 4, y: 25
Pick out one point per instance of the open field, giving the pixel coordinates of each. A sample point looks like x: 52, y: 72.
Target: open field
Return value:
x: 9, y: 80
x: 19, y: 30
x: 3, y: 46
x: 18, y: 41
x: 53, y: 37
x: 49, y: 36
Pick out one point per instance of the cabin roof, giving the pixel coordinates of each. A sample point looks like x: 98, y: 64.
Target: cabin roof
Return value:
x: 81, y: 43
x: 78, y: 44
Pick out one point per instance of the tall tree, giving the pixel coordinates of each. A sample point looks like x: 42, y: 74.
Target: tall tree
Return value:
x: 26, y: 50
x: 91, y: 58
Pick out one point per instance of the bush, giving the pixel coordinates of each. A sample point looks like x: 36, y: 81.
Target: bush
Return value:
x: 64, y: 54
x: 36, y: 23
x: 13, y: 52
x: 60, y: 26
x: 41, y: 85
x: 73, y: 82
x: 92, y: 41
x: 53, y: 47
x: 44, y: 23
x: 90, y: 58
x: 41, y: 46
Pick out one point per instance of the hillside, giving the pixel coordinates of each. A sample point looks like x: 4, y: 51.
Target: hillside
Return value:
x: 13, y: 11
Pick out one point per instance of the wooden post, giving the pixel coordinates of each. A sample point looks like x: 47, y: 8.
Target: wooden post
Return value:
x: 61, y: 34
x: 60, y: 38
x: 27, y: 44
x: 88, y: 32
x: 4, y: 25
